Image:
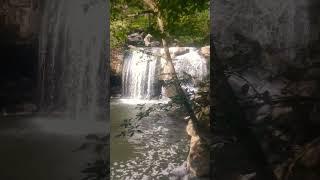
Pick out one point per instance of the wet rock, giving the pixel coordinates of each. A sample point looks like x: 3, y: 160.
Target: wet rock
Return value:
x: 199, y: 156
x: 186, y: 60
x: 204, y: 116
x: 175, y: 51
x: 190, y: 129
x: 155, y: 44
x: 205, y: 51
x: 149, y: 41
x: 170, y: 91
x: 136, y: 38
x: 180, y: 51
x: 116, y: 61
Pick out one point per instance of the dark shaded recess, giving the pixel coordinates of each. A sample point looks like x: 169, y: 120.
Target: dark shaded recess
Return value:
x: 228, y: 121
x: 314, y: 19
x: 247, y: 51
x: 18, y: 69
x: 314, y: 7
x: 115, y: 82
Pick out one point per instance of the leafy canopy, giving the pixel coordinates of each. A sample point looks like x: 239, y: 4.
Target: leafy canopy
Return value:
x: 185, y: 20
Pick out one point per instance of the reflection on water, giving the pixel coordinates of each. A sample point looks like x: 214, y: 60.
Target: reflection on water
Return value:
x: 42, y: 148
x: 161, y: 147
x: 72, y: 127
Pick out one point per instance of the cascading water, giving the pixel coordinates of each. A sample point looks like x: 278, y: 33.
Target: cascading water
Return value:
x: 73, y: 63
x: 140, y: 75
x: 191, y: 63
x: 142, y: 68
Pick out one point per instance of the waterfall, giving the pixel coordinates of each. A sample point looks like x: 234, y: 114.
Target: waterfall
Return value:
x: 73, y: 62
x: 142, y: 68
x: 191, y: 63
x: 140, y: 75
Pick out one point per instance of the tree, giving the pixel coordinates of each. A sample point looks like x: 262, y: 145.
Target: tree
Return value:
x: 186, y: 21
x: 166, y: 12
x: 165, y: 15
x: 165, y: 21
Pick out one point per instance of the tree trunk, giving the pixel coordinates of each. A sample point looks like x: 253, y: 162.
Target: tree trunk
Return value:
x: 175, y: 82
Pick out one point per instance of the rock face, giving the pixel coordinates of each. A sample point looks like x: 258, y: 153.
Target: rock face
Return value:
x: 136, y: 39
x: 20, y: 18
x: 199, y: 156
x: 117, y: 56
x: 271, y: 49
x: 275, y: 28
x: 149, y: 41
x: 185, y: 59
x: 116, y: 63
x: 205, y: 51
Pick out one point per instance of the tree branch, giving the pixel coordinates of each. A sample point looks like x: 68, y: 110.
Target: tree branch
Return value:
x: 141, y: 13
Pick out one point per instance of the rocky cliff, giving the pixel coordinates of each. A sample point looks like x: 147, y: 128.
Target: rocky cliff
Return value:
x: 271, y: 53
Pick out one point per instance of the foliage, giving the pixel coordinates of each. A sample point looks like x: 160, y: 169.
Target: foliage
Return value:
x: 118, y: 31
x: 192, y: 29
x: 186, y: 21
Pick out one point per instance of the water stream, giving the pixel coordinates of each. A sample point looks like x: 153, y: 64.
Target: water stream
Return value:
x: 161, y: 150
x: 153, y: 154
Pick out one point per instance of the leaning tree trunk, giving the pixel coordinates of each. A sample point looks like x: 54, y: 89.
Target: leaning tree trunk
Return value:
x: 174, y: 82
x: 199, y: 152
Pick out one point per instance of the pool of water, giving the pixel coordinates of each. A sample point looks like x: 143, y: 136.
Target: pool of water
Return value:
x: 43, y: 147
x: 153, y: 154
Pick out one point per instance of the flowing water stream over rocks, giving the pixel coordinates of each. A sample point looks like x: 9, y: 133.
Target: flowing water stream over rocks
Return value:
x: 153, y: 154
